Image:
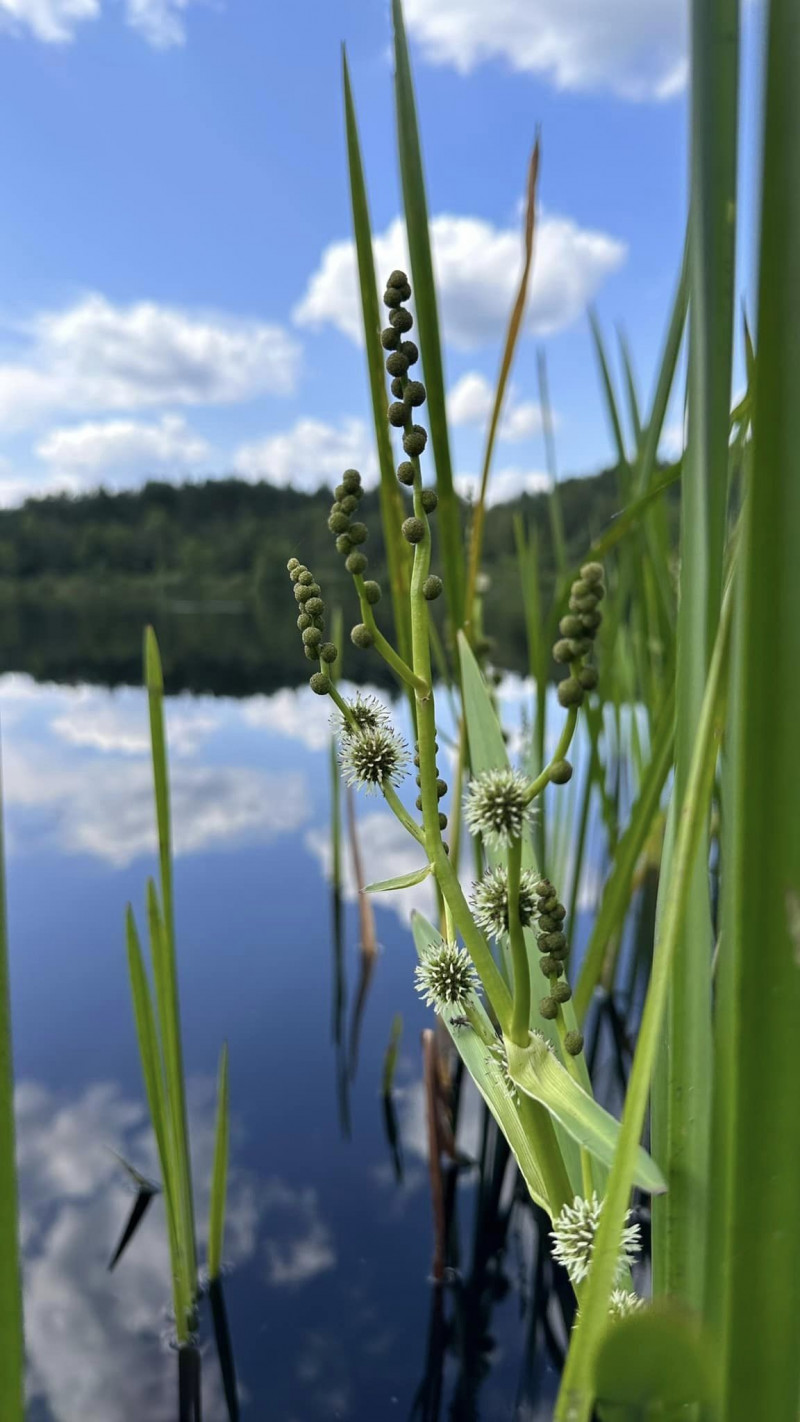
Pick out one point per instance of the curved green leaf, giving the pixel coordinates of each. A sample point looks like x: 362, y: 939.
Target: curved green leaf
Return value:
x: 403, y: 881
x: 536, y: 1070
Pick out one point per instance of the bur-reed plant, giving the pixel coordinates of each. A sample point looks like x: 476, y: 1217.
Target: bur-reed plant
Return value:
x: 682, y: 688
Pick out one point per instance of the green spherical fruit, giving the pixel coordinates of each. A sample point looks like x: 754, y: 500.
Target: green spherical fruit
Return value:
x: 415, y: 392
x: 588, y: 678
x: 573, y: 1043
x: 548, y: 1008
x: 390, y: 338
x: 328, y: 652
x: 361, y: 636
x: 570, y: 626
x: 397, y: 414
x: 415, y: 440
x: 343, y: 544
x: 392, y: 297
x: 570, y: 692
x: 405, y: 472
x: 312, y: 637
x: 562, y: 651
x: 397, y: 278
x: 413, y: 530
x: 320, y: 683
x: 401, y: 320
x: 592, y: 573
x: 550, y: 966
x: 351, y: 479
x: 562, y: 992
x: 303, y: 621
x: 430, y: 499
x: 292, y: 564
x: 357, y: 533
x: 432, y: 588
x: 349, y: 504
x: 561, y: 772
x: 372, y: 591
x: 396, y: 363
x: 355, y: 562
x: 397, y: 387
x: 338, y: 523
x: 410, y: 351
x: 315, y: 607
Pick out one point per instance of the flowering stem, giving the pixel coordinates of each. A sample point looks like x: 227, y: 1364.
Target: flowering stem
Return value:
x: 521, y: 1013
x: 395, y: 804
x: 341, y: 704
x: 564, y: 742
x: 382, y: 646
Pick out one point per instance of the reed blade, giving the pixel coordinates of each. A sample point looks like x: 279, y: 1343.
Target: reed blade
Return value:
x: 219, y: 1177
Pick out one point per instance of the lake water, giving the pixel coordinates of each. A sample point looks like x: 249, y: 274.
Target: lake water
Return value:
x: 329, y: 1233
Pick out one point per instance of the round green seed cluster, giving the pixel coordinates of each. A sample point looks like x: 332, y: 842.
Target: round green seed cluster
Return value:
x: 311, y: 624
x: 441, y: 785
x: 578, y: 630
x: 552, y: 944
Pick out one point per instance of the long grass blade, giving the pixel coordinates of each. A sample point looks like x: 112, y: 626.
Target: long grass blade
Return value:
x: 512, y: 338
x: 12, y: 1347
x: 755, y: 1269
x: 219, y: 1177
x: 682, y: 1096
x: 416, y: 213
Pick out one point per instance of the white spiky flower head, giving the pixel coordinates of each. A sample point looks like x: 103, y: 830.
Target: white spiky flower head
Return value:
x: 373, y: 758
x: 497, y: 806
x: 445, y: 976
x: 367, y: 711
x: 489, y: 901
x: 623, y: 1303
x: 574, y: 1232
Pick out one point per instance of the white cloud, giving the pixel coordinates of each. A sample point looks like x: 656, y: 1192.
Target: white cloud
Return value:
x: 470, y: 402
x: 477, y: 268
x: 311, y: 453
x: 504, y: 484
x: 159, y: 22
x: 305, y: 1247
x: 635, y: 48
x: 117, y: 451
x: 115, y: 723
x: 214, y: 807
x: 96, y: 356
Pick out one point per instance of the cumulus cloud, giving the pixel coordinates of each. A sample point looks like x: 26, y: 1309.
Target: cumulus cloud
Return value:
x: 159, y: 22
x: 96, y: 356
x: 470, y: 402
x: 634, y: 48
x: 309, y: 454
x: 117, y: 724
x: 504, y: 484
x: 117, y: 451
x: 477, y: 267
x: 214, y: 807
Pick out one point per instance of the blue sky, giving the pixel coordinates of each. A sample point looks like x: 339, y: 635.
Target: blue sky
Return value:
x: 176, y: 284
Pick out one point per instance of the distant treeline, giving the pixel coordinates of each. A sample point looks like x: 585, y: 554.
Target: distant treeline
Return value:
x: 76, y: 570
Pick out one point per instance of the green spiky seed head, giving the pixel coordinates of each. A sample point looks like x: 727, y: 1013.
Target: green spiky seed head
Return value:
x: 562, y: 992
x: 312, y: 637
x: 338, y: 523
x: 432, y: 588
x: 397, y: 278
x: 489, y: 901
x: 401, y: 320
x: 372, y: 591
x: 562, y: 651
x: 498, y: 806
x: 445, y: 977
x: 413, y: 530
x: 328, y: 652
x: 573, y: 1043
x: 623, y: 1303
x: 570, y: 626
x: 303, y: 622
x: 410, y: 351
x: 415, y: 440
x: 373, y: 758
x: 405, y: 472
x: 368, y: 713
x: 430, y: 499
x: 570, y: 692
x: 561, y: 772
x: 415, y: 393
x: 390, y: 338
x: 548, y: 1008
x: 315, y: 607
x: 397, y: 414
x: 588, y: 678
x: 592, y: 573
x: 351, y: 480
x: 343, y: 544
x: 361, y: 636
x: 358, y: 533
x: 396, y: 364
x: 320, y: 683
x: 355, y: 562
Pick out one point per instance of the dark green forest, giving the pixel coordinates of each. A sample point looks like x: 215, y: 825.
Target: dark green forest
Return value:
x: 206, y: 562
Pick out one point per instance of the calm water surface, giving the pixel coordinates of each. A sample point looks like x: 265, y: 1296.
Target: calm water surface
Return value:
x: 329, y: 1237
